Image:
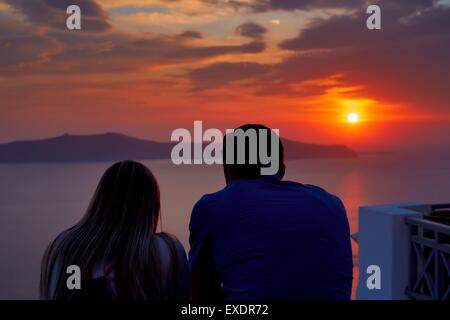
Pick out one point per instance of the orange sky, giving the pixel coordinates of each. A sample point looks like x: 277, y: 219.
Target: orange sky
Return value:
x: 145, y: 68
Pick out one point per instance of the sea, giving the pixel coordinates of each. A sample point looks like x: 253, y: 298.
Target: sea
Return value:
x: 38, y: 201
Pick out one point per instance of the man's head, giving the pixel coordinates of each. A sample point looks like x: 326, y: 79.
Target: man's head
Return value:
x: 252, y: 151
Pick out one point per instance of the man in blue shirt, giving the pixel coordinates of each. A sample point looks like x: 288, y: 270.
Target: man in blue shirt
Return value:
x: 262, y: 238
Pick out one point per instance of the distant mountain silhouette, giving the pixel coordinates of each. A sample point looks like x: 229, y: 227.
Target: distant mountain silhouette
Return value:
x: 114, y: 147
x: 300, y: 150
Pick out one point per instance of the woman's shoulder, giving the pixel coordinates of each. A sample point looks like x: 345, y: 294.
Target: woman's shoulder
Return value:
x: 174, y: 265
x: 56, y: 250
x: 166, y: 241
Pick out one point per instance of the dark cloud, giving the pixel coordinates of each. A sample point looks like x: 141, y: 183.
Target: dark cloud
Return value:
x: 34, y: 51
x: 21, y: 46
x: 312, y: 4
x: 237, y: 5
x: 290, y: 5
x: 52, y: 13
x: 167, y: 48
x: 42, y: 44
x: 401, y: 21
x: 251, y: 30
x: 89, y: 7
x: 405, y: 62
x: 268, y: 5
x: 219, y: 74
x: 189, y: 34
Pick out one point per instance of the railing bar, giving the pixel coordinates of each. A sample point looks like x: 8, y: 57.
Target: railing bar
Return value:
x: 433, y: 226
x: 420, y: 263
x: 446, y: 295
x: 440, y: 206
x: 428, y: 278
x: 437, y: 274
x: 446, y: 265
x: 413, y: 266
x: 431, y: 243
x: 429, y: 259
x: 417, y: 296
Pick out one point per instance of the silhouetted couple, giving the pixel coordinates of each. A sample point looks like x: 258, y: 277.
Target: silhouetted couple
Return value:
x: 259, y: 238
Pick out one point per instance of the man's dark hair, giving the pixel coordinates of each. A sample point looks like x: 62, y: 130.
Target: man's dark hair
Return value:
x: 250, y: 170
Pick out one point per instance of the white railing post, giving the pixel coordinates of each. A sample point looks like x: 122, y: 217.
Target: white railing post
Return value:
x: 384, y: 242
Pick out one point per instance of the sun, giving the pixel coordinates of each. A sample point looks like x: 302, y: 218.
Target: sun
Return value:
x: 353, y: 117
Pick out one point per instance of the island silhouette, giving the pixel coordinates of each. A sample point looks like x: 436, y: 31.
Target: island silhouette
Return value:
x: 115, y: 146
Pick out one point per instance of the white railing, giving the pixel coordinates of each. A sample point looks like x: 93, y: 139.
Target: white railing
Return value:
x: 410, y: 253
x: 429, y: 268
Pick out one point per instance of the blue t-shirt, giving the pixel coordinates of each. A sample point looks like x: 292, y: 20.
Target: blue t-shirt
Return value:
x: 274, y: 240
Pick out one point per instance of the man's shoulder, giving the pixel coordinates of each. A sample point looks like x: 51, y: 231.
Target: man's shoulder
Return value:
x: 202, y: 215
x: 316, y: 192
x: 294, y: 191
x: 208, y: 199
x: 306, y: 187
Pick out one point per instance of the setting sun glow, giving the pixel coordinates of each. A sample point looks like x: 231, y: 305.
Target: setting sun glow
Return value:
x: 353, y: 117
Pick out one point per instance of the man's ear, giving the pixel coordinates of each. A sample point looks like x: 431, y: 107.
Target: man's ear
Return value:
x: 281, y: 171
